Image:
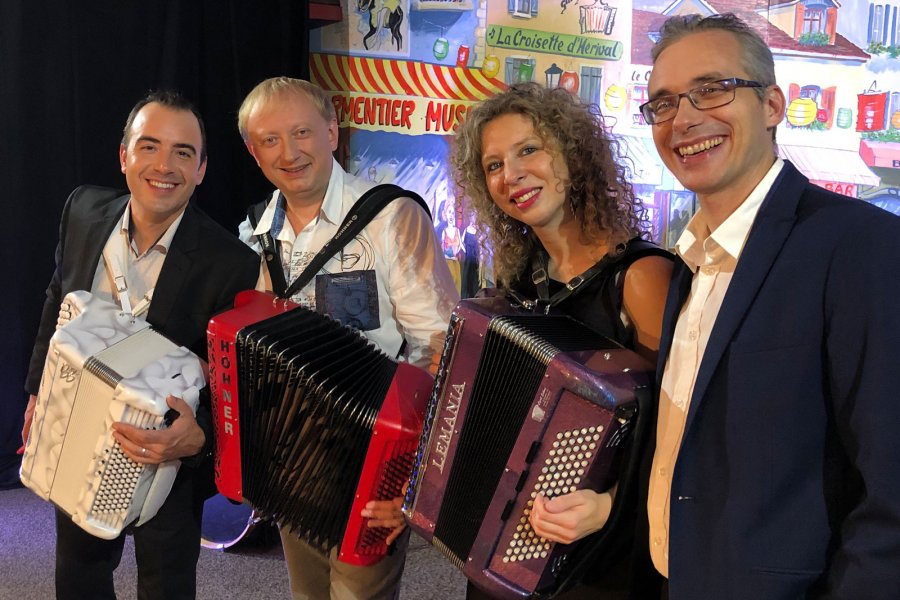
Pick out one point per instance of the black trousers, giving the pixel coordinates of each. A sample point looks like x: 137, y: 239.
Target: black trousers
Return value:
x: 166, y: 548
x: 578, y: 593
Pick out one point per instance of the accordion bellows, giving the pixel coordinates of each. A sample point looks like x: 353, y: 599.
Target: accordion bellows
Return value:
x: 312, y: 421
x: 104, y: 366
x: 523, y: 404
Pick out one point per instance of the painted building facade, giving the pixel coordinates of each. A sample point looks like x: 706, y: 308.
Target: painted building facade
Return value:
x: 403, y: 74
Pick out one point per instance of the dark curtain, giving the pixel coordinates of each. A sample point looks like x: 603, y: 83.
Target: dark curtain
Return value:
x: 70, y: 71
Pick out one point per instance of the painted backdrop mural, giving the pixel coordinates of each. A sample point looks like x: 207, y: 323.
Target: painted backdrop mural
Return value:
x: 403, y: 73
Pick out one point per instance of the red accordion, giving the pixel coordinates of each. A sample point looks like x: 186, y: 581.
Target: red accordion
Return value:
x: 312, y: 421
x: 523, y: 404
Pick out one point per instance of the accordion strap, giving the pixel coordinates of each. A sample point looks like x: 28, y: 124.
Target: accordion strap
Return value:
x: 361, y: 214
x: 271, y: 249
x: 541, y: 279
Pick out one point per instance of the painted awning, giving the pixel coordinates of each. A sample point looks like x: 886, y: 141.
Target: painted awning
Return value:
x: 829, y: 164
x: 401, y: 78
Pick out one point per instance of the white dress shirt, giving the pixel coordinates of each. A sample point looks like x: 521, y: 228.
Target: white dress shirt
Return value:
x: 141, y: 270
x: 415, y: 292
x: 712, y: 256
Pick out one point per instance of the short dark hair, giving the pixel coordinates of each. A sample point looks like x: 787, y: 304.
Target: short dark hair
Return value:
x: 757, y: 59
x: 169, y: 99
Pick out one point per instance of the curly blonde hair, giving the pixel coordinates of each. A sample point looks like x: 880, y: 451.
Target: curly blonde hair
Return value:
x: 597, y: 191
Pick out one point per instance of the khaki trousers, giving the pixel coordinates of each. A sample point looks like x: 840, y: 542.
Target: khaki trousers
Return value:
x: 316, y: 577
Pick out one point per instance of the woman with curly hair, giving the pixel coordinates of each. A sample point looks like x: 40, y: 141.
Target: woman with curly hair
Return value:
x: 565, y: 229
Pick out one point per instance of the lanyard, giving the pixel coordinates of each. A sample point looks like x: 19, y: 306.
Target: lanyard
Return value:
x: 114, y: 255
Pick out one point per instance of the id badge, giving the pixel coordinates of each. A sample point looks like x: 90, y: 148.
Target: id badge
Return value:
x: 350, y: 298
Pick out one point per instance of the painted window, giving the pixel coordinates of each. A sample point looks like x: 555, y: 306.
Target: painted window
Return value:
x: 814, y: 19
x: 882, y: 26
x: 524, y: 9
x: 637, y: 95
x: 518, y: 70
x: 876, y: 24
x: 590, y: 84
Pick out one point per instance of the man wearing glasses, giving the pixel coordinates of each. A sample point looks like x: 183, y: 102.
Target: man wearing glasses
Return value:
x: 775, y: 473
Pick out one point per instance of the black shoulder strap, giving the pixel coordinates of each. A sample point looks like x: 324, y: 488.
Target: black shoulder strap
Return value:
x: 271, y: 249
x: 361, y: 213
x: 636, y: 249
x: 541, y: 280
x: 639, y: 248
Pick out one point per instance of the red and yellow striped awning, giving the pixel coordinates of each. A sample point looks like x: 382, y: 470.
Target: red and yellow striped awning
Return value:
x: 401, y: 78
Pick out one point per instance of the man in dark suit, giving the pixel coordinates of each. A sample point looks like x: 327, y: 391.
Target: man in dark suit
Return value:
x: 189, y: 268
x: 775, y: 470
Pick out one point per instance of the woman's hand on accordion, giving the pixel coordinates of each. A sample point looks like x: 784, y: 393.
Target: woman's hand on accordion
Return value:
x: 386, y: 513
x: 570, y: 517
x: 152, y: 446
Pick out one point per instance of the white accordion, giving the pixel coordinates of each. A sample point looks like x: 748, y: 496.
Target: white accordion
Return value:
x: 104, y: 366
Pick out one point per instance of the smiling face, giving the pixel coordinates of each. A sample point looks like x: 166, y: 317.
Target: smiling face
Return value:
x: 292, y: 143
x: 721, y: 154
x: 525, y: 175
x: 161, y: 162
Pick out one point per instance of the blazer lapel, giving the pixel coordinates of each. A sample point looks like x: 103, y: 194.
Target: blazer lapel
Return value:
x: 679, y: 287
x: 175, y: 268
x: 92, y: 239
x: 767, y: 236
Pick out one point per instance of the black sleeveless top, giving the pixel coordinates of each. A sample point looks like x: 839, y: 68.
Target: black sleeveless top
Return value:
x: 598, y: 303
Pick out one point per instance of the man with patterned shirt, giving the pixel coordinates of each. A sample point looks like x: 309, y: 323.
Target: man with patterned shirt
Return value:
x: 391, y: 283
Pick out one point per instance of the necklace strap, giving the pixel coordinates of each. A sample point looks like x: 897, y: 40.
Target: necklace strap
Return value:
x: 116, y: 259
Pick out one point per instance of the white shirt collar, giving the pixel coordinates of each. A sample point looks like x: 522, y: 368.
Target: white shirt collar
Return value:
x: 732, y: 233
x: 163, y: 243
x: 274, y: 217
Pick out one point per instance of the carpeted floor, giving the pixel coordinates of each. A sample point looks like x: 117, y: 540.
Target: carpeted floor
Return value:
x: 252, y: 572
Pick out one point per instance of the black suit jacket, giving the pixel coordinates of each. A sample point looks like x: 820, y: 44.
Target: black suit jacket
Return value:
x: 204, y: 268
x: 786, y: 483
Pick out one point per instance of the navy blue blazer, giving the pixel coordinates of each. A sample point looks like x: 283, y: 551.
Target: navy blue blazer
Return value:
x: 204, y: 268
x: 787, y: 482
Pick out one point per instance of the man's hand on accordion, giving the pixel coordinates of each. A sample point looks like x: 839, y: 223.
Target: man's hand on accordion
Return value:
x: 386, y: 513
x: 570, y: 517
x: 152, y: 446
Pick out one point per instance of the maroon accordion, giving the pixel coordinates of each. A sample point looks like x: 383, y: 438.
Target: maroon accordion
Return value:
x: 523, y: 404
x: 312, y: 421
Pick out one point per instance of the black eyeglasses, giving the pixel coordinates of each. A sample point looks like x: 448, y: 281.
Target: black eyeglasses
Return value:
x: 704, y: 97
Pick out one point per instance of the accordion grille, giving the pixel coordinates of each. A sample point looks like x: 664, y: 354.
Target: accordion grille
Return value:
x: 396, y: 474
x: 514, y: 360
